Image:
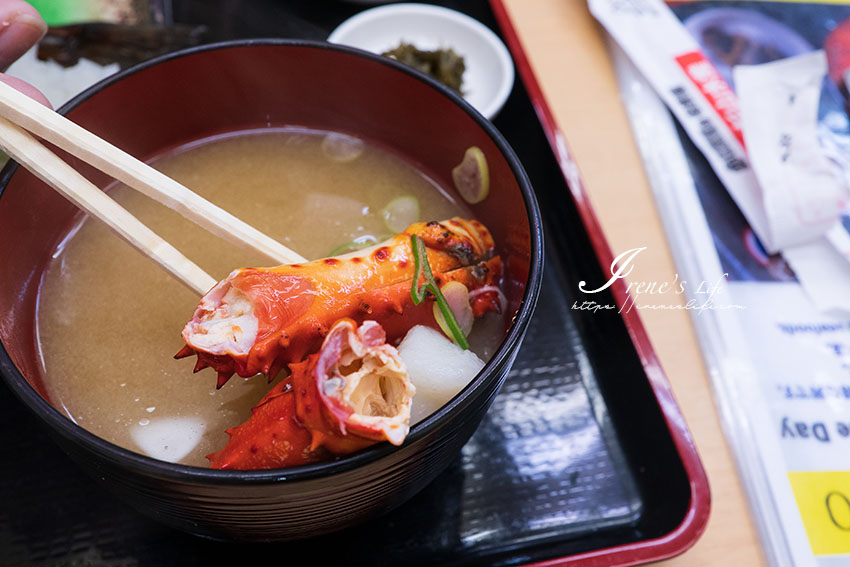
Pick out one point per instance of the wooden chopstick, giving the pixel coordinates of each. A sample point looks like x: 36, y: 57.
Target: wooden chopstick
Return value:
x: 30, y: 115
x: 57, y: 173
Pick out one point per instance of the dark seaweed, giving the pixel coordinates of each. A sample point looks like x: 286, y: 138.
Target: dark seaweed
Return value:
x: 442, y: 64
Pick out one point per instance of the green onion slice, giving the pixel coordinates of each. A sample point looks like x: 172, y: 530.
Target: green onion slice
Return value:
x: 357, y: 244
x: 400, y: 213
x: 422, y: 270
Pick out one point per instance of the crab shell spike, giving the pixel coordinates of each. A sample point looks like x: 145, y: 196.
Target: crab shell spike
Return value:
x: 184, y: 352
x: 222, y: 379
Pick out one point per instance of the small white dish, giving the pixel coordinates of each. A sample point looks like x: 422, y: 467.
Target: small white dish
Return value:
x: 489, y: 74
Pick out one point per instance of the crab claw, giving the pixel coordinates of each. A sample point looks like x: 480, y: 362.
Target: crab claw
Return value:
x: 352, y: 393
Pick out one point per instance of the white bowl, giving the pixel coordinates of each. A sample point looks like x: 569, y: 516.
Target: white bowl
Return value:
x: 489, y: 74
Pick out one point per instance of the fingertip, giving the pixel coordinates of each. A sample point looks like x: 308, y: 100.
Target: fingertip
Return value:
x: 26, y: 88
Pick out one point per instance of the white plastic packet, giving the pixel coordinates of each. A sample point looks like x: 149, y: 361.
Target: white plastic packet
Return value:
x: 692, y: 88
x: 803, y: 190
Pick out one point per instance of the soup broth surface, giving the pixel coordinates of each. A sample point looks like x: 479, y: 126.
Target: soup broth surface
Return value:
x: 109, y: 319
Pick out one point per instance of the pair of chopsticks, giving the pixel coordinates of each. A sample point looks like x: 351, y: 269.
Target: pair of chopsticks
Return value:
x: 21, y: 116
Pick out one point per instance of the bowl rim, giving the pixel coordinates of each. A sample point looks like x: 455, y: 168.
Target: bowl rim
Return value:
x: 116, y: 454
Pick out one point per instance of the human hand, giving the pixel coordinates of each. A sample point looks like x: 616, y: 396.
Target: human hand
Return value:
x: 21, y: 27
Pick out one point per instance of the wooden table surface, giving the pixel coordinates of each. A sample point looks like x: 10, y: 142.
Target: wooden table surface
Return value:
x: 567, y: 49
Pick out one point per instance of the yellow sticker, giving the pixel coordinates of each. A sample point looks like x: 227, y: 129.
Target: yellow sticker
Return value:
x: 824, y: 501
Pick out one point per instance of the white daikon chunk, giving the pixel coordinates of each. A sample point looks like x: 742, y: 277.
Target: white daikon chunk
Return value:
x: 168, y: 438
x: 438, y: 368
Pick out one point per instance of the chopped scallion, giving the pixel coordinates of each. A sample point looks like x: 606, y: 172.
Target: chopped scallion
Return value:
x: 422, y: 270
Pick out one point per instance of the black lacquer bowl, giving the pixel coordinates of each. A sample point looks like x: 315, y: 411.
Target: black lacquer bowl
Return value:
x: 209, y: 90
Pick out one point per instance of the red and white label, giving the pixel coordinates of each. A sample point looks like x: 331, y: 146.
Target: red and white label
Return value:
x: 705, y: 77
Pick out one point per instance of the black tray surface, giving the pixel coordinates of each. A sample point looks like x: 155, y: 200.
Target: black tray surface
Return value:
x: 573, y: 456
